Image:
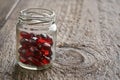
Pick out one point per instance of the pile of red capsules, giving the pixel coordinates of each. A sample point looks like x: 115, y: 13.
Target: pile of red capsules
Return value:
x: 35, y: 49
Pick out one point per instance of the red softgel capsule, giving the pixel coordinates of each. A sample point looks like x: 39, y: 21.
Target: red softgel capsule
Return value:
x: 25, y: 52
x: 32, y: 35
x: 37, y: 53
x: 38, y: 56
x: 23, y: 60
x: 50, y: 41
x: 32, y: 42
x: 25, y: 43
x: 28, y: 53
x: 22, y: 51
x: 44, y: 39
x: 41, y: 40
x: 24, y: 34
x: 34, y: 61
x: 46, y: 49
x: 34, y: 49
x: 45, y: 61
x: 46, y: 52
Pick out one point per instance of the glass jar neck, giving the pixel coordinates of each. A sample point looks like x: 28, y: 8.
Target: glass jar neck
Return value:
x: 36, y: 16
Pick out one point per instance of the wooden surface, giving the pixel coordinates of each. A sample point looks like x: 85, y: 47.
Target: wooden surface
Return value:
x: 5, y: 9
x: 88, y: 41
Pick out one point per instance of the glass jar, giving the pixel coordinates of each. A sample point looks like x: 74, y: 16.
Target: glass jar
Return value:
x: 36, y: 38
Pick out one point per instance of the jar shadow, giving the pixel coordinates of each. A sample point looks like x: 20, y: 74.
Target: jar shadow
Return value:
x: 20, y: 73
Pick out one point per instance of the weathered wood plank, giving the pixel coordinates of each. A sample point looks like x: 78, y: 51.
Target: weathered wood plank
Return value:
x: 6, y: 7
x: 88, y: 44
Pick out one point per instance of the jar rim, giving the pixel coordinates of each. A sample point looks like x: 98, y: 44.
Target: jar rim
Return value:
x: 48, y: 16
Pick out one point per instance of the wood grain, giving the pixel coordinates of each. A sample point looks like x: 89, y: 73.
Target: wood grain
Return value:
x: 88, y: 42
x: 5, y: 9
